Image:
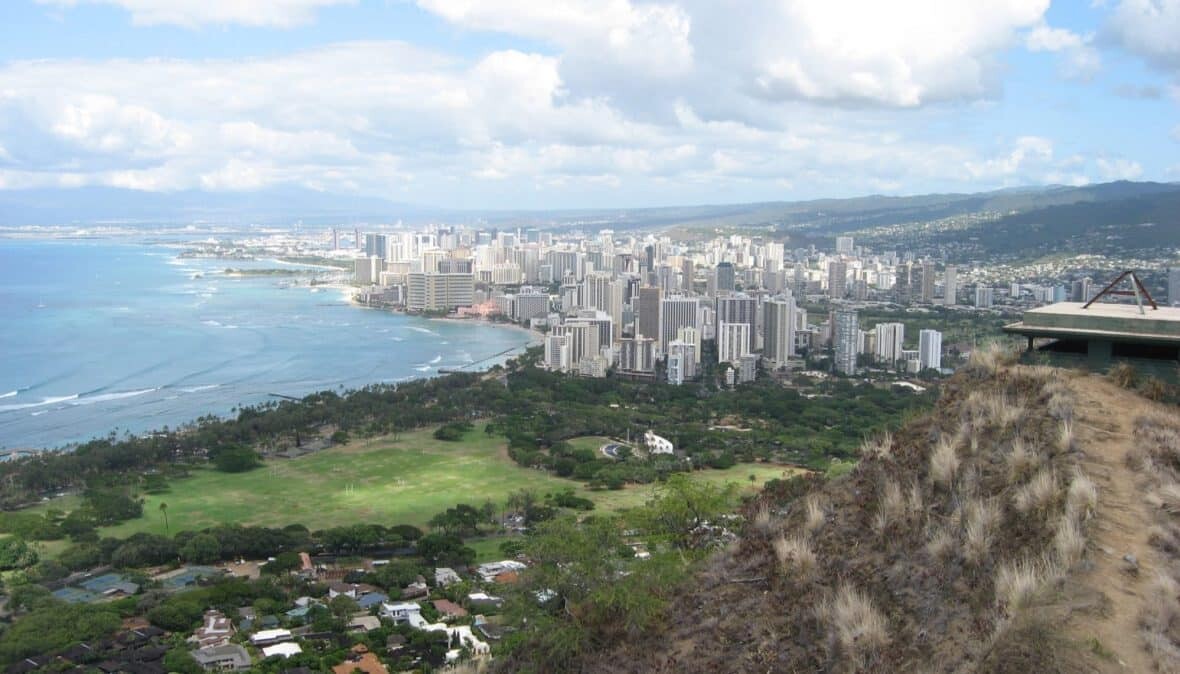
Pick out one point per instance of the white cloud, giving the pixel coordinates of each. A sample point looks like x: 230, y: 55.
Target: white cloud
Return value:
x: 1079, y: 59
x: 1148, y: 28
x: 847, y: 52
x: 1118, y: 169
x: 194, y: 13
x: 1029, y: 151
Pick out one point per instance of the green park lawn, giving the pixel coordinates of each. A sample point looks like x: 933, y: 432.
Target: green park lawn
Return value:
x: 387, y: 481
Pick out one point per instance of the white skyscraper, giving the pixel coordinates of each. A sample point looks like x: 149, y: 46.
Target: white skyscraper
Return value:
x: 930, y: 349
x: 984, y: 297
x: 1174, y: 286
x: 779, y: 330
x: 950, y: 286
x: 844, y: 245
x: 733, y: 342
x: 682, y: 362
x: 890, y: 337
x: 845, y: 335
x: 676, y: 313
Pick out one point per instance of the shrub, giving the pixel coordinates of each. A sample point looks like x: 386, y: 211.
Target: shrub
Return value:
x: 814, y: 515
x: 1017, y: 583
x: 795, y: 556
x: 1081, y: 499
x: 1069, y: 541
x: 982, y: 519
x: 1038, y: 495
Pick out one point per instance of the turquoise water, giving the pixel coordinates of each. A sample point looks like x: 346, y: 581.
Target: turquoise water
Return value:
x: 102, y: 335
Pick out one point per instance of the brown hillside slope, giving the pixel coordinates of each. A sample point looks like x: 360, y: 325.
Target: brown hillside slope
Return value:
x: 988, y: 536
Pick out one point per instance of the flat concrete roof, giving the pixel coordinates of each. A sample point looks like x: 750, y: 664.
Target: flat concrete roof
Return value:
x: 1115, y: 322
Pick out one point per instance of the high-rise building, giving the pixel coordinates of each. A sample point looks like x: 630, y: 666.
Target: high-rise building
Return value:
x: 837, y: 280
x: 846, y: 332
x: 675, y: 313
x: 930, y: 349
x: 367, y: 270
x: 692, y: 337
x: 890, y: 337
x: 637, y: 354
x: 1174, y: 286
x: 903, y: 284
x: 557, y: 353
x: 739, y: 308
x: 779, y: 330
x: 747, y: 367
x: 928, y: 272
x: 1080, y: 290
x: 733, y: 342
x: 984, y: 297
x: 376, y: 245
x: 726, y: 278
x: 683, y: 358
x: 431, y: 291
x: 581, y: 340
x: 950, y: 286
x: 647, y: 312
x: 844, y: 245
x: 531, y: 303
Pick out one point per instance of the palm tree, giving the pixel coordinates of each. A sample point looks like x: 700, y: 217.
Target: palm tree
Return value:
x: 164, y: 511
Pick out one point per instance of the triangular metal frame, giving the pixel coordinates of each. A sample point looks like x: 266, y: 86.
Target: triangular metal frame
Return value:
x: 1137, y: 289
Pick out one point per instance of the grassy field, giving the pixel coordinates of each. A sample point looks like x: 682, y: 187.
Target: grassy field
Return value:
x: 385, y: 481
x: 591, y: 442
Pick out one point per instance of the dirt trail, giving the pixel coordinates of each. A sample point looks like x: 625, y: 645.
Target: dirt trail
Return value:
x: 1104, y: 419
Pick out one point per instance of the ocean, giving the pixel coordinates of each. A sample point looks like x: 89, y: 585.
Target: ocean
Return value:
x: 114, y: 335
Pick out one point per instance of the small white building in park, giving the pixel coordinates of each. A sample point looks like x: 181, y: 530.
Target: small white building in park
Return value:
x: 656, y: 444
x: 285, y: 649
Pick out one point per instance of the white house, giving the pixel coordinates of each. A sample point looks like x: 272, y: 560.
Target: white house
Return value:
x: 444, y: 576
x: 267, y: 637
x: 404, y: 612
x: 286, y: 649
x: 490, y: 570
x: 656, y: 444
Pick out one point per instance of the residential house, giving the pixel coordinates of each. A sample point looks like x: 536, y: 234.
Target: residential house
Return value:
x: 372, y: 600
x: 363, y: 622
x: 285, y: 650
x: 444, y: 577
x: 404, y: 612
x: 449, y: 610
x: 416, y: 589
x: 360, y: 658
x: 499, y: 571
x: 225, y: 658
x: 268, y: 637
x: 215, y: 630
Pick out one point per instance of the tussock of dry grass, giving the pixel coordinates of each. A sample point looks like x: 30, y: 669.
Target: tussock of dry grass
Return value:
x: 1081, y: 499
x: 762, y: 521
x: 795, y: 556
x: 987, y: 360
x: 944, y: 464
x: 813, y: 514
x: 880, y: 447
x: 983, y: 517
x: 1038, y: 495
x: 1017, y: 582
x: 1167, y: 497
x: 860, y: 630
x: 941, y: 544
x: 1022, y: 461
x: 1069, y: 542
x: 1066, y: 442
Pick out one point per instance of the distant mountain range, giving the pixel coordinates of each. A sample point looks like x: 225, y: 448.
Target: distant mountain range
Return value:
x: 1107, y: 203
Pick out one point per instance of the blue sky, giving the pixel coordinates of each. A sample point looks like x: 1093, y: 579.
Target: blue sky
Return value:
x: 576, y: 103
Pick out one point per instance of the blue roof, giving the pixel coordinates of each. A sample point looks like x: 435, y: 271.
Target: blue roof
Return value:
x: 189, y: 576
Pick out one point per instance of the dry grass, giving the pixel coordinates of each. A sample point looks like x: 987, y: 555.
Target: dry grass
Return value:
x: 944, y: 464
x: 880, y: 447
x: 1167, y: 498
x: 941, y: 544
x: 813, y: 514
x: 795, y: 556
x: 859, y: 629
x: 1069, y: 542
x: 1022, y: 461
x: 1066, y: 442
x: 762, y: 520
x: 1038, y: 495
x: 1123, y: 375
x: 1159, y: 623
x: 1017, y: 582
x: 1081, y: 499
x: 987, y: 360
x: 983, y: 517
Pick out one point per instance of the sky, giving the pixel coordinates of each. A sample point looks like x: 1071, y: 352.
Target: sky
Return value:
x: 510, y: 104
